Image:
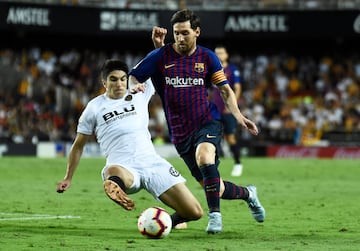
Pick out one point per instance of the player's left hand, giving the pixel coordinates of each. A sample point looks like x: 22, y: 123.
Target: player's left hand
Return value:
x: 251, y: 126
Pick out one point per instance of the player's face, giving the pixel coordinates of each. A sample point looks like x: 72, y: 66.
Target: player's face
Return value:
x: 116, y: 84
x: 185, y: 38
x: 222, y: 54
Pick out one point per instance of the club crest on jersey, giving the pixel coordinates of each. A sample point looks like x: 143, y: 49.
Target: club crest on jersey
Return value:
x: 199, y: 67
x: 128, y: 98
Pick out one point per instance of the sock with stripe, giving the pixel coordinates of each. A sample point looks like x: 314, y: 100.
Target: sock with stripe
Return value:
x: 211, y: 180
x: 234, y: 192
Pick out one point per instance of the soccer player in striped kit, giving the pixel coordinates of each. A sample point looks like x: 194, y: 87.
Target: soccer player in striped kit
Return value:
x: 181, y: 73
x: 232, y: 74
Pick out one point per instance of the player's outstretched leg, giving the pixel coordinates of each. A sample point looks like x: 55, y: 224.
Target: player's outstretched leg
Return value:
x: 257, y: 210
x: 115, y: 193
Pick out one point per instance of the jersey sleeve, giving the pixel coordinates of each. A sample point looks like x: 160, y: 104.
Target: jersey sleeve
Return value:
x: 236, y: 74
x: 149, y: 90
x: 218, y: 76
x: 146, y: 68
x: 87, y: 120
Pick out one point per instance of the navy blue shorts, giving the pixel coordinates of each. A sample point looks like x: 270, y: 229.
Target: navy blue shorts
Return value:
x: 229, y: 122
x: 211, y: 132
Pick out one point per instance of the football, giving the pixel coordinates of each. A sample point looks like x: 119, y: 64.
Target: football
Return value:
x: 154, y: 223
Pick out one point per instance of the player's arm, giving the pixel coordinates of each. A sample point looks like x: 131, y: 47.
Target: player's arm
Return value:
x: 237, y: 90
x: 73, y: 161
x: 230, y: 101
x: 237, y: 87
x: 158, y: 36
x: 144, y: 70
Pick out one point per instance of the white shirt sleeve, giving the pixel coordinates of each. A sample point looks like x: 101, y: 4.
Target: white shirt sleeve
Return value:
x: 87, y: 120
x: 149, y: 90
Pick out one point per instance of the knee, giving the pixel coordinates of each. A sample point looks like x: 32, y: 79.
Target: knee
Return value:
x: 200, y: 213
x: 204, y: 159
x: 197, y: 213
x: 205, y: 154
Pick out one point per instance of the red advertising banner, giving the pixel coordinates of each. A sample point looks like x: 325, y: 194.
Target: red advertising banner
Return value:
x: 313, y: 152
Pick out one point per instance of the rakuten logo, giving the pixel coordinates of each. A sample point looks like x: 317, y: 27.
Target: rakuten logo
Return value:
x: 183, y: 82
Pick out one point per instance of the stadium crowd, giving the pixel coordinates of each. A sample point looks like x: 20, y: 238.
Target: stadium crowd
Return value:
x: 42, y: 93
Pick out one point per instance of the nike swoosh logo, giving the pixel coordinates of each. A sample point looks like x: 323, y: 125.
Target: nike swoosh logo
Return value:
x: 169, y: 66
x: 210, y: 136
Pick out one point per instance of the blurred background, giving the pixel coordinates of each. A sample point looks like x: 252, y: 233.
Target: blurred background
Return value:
x: 299, y: 62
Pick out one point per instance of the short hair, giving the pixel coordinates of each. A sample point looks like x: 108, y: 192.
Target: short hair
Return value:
x: 186, y: 15
x: 113, y: 65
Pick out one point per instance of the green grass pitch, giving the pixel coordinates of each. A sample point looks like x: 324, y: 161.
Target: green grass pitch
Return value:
x: 311, y: 204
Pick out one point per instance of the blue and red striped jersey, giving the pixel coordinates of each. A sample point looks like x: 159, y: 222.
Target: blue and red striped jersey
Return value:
x: 182, y: 83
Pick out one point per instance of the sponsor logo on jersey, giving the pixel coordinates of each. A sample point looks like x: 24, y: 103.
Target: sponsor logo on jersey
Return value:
x: 167, y: 66
x: 183, y: 82
x: 210, y: 136
x: 119, y: 114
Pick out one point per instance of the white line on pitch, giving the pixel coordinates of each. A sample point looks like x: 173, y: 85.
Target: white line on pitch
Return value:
x: 36, y: 216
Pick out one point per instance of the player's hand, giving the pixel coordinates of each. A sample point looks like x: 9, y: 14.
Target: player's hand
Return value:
x: 63, y: 185
x: 138, y: 88
x: 158, y: 36
x: 251, y: 126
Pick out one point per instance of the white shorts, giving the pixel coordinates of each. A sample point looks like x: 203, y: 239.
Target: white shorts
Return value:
x: 153, y: 173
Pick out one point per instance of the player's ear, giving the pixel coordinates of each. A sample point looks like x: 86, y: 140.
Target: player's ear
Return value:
x: 197, y: 32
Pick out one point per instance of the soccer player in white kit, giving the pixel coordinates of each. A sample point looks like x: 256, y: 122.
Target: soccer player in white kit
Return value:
x: 119, y: 121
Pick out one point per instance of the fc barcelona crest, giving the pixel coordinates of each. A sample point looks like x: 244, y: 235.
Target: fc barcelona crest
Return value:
x: 199, y: 67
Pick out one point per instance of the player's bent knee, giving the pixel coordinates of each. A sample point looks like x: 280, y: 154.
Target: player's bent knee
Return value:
x: 196, y: 213
x: 191, y: 211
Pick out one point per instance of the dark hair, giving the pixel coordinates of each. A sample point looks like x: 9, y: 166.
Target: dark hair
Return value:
x: 112, y: 65
x: 186, y: 15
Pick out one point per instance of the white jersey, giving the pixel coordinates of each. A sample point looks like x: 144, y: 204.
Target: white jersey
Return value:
x: 120, y: 125
x: 121, y: 129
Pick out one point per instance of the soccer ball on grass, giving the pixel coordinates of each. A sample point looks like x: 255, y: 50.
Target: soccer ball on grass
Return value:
x: 154, y: 223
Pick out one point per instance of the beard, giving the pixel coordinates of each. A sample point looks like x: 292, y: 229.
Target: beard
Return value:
x: 183, y: 48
